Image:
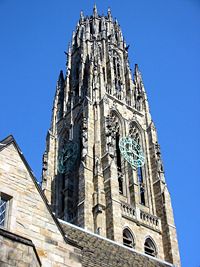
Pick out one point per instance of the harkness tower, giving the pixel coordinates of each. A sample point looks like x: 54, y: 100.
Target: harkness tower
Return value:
x: 102, y: 168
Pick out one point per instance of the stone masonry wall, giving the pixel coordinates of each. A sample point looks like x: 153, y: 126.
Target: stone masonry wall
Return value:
x: 29, y: 216
x: 17, y: 251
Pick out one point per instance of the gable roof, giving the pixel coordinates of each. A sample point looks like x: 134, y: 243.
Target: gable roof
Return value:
x: 10, y: 140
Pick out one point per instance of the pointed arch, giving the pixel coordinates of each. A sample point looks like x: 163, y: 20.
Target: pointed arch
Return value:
x: 150, y: 247
x: 128, y: 238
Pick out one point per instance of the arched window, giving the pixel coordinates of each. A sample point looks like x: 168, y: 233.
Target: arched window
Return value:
x: 149, y: 247
x: 135, y: 134
x: 128, y: 239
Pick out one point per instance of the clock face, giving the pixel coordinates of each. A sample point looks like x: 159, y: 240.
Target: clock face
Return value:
x: 132, y: 152
x: 67, y: 157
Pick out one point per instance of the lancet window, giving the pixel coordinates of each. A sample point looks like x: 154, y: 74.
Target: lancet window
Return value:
x: 136, y: 135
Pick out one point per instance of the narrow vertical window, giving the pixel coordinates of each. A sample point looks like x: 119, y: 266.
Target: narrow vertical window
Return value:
x: 104, y: 75
x: 119, y: 164
x: 141, y: 185
x: 4, y: 207
x: 114, y: 65
x: 99, y: 26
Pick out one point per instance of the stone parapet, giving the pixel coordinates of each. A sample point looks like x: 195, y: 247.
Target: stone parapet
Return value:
x: 140, y: 216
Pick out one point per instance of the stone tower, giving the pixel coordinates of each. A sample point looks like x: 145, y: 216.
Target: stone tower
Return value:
x: 102, y: 168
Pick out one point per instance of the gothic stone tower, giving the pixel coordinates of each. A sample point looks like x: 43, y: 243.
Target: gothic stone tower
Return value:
x: 102, y: 168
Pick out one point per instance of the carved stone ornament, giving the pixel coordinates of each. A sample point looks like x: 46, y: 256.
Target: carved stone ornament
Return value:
x: 84, y: 139
x: 138, y: 98
x: 112, y: 127
x: 160, y: 169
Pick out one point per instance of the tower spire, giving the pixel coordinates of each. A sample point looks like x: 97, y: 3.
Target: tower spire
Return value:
x: 100, y: 112
x: 81, y: 16
x: 109, y: 14
x: 95, y: 14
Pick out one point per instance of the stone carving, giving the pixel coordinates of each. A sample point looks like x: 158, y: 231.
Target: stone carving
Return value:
x: 138, y: 99
x: 95, y: 78
x: 112, y: 127
x: 134, y: 132
x: 97, y: 166
x: 160, y: 169
x: 84, y: 139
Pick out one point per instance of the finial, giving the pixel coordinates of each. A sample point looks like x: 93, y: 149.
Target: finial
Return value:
x: 136, y: 69
x: 109, y: 13
x: 60, y: 80
x: 61, y: 77
x: 81, y: 16
x: 95, y: 14
x: 137, y: 74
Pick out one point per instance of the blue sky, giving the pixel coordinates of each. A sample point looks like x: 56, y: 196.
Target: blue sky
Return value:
x: 164, y: 39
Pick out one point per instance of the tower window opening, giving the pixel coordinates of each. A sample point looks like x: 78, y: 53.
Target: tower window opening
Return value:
x: 119, y: 164
x: 114, y: 65
x: 118, y: 70
x: 91, y: 28
x: 116, y: 36
x: 128, y: 239
x: 104, y: 74
x: 141, y: 185
x: 99, y: 26
x: 149, y: 248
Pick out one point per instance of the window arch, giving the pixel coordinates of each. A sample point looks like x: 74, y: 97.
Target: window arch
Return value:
x: 150, y: 247
x: 135, y: 133
x: 128, y: 239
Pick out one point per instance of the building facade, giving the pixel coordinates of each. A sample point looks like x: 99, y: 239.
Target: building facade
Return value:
x: 104, y: 200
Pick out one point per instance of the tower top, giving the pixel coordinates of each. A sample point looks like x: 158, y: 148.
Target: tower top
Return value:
x: 95, y: 14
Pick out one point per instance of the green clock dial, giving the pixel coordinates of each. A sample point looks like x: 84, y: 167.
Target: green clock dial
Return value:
x: 132, y: 152
x: 67, y: 157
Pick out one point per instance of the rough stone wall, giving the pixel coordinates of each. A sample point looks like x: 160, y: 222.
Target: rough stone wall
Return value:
x: 103, y: 252
x: 29, y: 216
x: 16, y: 251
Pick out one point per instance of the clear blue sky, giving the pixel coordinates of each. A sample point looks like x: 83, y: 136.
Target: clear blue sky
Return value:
x: 164, y: 38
